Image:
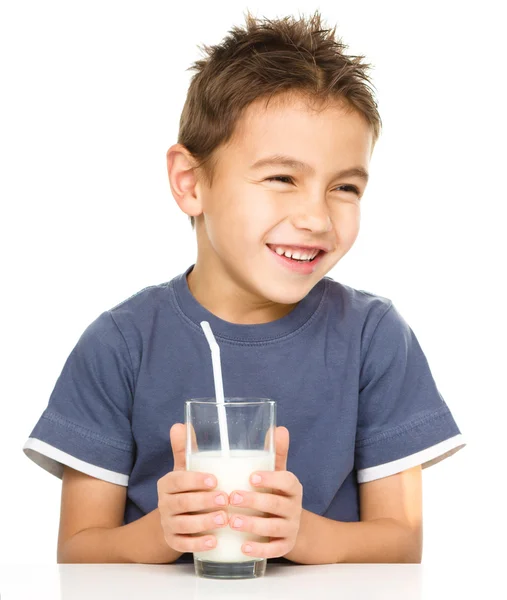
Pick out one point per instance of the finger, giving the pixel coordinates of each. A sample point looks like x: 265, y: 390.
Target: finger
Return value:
x: 282, y: 448
x: 182, y: 524
x: 178, y: 438
x: 179, y: 504
x: 189, y: 543
x: 194, y: 447
x: 269, y: 439
x: 272, y: 527
x: 271, y: 549
x: 176, y: 482
x: 272, y: 504
x: 280, y: 481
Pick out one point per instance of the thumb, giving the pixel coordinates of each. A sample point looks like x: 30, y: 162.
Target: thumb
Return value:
x: 282, y: 448
x: 178, y: 435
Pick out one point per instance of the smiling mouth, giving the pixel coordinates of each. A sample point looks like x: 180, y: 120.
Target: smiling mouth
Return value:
x: 298, y: 260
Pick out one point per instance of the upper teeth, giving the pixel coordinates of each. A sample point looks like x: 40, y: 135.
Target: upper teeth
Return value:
x: 298, y: 254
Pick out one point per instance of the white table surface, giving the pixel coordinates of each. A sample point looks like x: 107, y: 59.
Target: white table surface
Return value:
x: 294, y: 582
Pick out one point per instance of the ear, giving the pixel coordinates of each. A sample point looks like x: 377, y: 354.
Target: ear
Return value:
x: 183, y: 180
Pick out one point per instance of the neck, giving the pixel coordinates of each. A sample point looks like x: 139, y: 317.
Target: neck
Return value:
x: 227, y: 299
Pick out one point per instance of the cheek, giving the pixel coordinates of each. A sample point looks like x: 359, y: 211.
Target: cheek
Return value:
x: 232, y: 225
x: 249, y: 214
x: 253, y: 204
x: 346, y: 221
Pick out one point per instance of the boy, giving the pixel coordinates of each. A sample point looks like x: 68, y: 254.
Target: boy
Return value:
x: 271, y: 163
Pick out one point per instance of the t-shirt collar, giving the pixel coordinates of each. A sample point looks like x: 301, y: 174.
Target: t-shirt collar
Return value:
x: 261, y: 332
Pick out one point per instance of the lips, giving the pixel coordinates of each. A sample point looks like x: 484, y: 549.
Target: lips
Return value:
x: 299, y: 247
x: 304, y: 267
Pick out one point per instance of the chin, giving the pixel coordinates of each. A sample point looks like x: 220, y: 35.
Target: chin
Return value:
x: 283, y: 295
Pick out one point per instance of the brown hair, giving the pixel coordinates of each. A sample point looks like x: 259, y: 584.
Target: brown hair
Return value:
x: 266, y: 58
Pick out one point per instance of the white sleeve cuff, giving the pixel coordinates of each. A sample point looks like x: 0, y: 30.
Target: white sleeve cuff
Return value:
x: 52, y: 460
x: 425, y: 458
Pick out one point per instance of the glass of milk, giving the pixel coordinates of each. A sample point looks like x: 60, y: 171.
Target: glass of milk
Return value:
x: 250, y: 426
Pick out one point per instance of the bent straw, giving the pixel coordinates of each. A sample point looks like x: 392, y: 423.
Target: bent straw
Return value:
x: 219, y: 388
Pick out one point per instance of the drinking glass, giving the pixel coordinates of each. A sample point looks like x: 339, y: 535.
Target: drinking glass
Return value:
x: 251, y: 425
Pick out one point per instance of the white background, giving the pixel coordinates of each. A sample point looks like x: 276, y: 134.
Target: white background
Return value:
x: 91, y: 98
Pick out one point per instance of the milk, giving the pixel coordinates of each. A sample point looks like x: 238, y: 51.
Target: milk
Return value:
x: 232, y: 473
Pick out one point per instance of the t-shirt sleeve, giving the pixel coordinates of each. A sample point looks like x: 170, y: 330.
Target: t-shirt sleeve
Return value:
x: 403, y: 420
x: 87, y: 422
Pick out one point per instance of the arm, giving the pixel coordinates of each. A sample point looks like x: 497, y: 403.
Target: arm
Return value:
x: 390, y: 529
x: 91, y: 530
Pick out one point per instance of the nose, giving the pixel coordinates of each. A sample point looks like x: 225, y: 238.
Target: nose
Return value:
x: 313, y: 216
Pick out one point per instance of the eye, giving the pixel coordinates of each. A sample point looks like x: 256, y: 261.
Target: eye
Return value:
x: 278, y: 177
x: 350, y: 188
x: 346, y: 188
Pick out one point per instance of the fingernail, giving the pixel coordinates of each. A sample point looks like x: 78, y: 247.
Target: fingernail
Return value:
x: 256, y: 479
x: 220, y: 500
x: 236, y: 498
x: 247, y: 548
x: 237, y: 522
x: 219, y: 519
x: 209, y: 543
x: 209, y: 482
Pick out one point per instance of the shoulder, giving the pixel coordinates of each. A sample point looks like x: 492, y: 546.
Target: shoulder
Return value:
x: 124, y: 325
x: 355, y: 303
x: 363, y: 315
x: 141, y: 309
x: 144, y: 299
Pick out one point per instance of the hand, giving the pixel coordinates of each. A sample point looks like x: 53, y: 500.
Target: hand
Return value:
x: 181, y: 492
x: 285, y: 504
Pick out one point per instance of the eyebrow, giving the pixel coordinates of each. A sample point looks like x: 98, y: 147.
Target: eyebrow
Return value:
x: 293, y: 163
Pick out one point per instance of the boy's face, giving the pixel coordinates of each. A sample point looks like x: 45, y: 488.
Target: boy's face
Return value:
x: 244, y: 216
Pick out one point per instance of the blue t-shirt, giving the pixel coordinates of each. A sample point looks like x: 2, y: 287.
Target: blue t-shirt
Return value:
x: 351, y: 383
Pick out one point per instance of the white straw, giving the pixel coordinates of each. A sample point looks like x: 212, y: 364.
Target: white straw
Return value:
x: 219, y: 388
